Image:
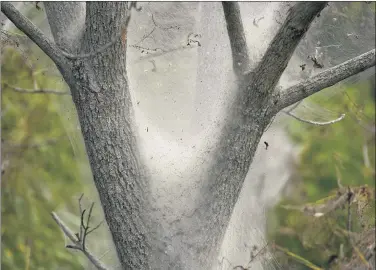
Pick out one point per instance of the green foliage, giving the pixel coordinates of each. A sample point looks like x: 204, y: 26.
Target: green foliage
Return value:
x: 39, y: 172
x: 343, y: 153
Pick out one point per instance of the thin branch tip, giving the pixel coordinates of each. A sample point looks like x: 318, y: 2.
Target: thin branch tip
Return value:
x: 79, y: 239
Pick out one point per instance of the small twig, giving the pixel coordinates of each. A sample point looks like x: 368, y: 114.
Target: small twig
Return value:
x: 160, y: 52
x: 86, y: 228
x: 96, y: 227
x: 79, y: 239
x: 36, y: 91
x: 293, y: 107
x: 145, y: 37
x: 155, y: 26
x: 258, y: 253
x: 164, y: 28
x: 252, y: 258
x: 155, y: 52
x: 81, y: 211
x: 314, y: 122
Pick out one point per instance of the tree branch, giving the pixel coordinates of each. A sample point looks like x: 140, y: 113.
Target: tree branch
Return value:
x: 280, y: 50
x: 33, y: 32
x: 324, y: 79
x: 98, y: 264
x: 160, y: 52
x: 315, y: 122
x: 36, y: 91
x: 240, y: 58
x: 79, y: 239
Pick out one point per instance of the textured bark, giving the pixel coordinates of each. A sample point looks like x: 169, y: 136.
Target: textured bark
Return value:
x: 100, y: 90
x: 284, y: 43
x: 238, y: 42
x: 67, y: 22
x: 105, y: 111
x: 246, y: 119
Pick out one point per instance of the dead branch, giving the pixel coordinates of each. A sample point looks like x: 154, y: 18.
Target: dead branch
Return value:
x: 79, y: 239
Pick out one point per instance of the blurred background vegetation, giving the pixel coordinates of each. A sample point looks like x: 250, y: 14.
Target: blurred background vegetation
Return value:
x: 336, y: 171
x: 44, y: 165
x: 326, y: 219
x: 38, y: 169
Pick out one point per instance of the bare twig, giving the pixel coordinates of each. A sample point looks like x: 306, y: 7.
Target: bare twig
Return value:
x: 315, y: 122
x: 79, y: 239
x: 155, y: 52
x: 161, y: 27
x: 252, y: 257
x: 36, y: 91
x: 33, y: 32
x: 325, y: 79
x: 155, y: 26
x: 145, y: 36
x: 160, y: 52
x: 240, y: 58
x: 295, y: 106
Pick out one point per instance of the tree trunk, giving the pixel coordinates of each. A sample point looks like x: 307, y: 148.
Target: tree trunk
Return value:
x: 94, y: 66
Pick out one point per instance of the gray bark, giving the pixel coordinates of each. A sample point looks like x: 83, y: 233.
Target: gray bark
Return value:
x: 67, y: 22
x: 99, y: 85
